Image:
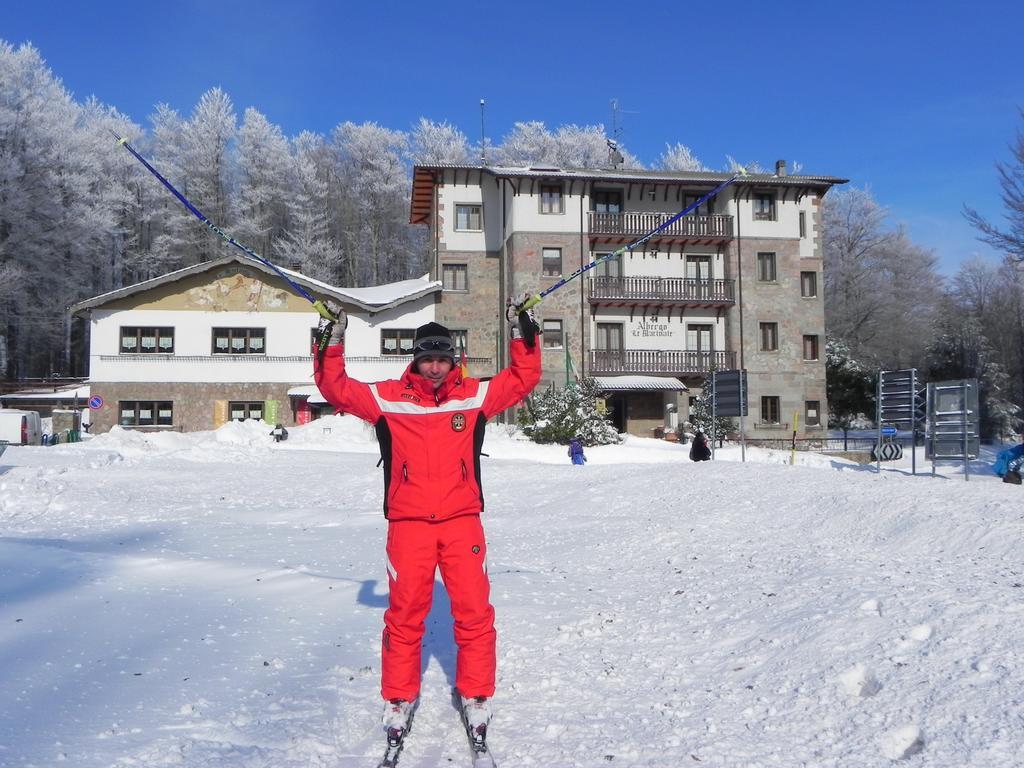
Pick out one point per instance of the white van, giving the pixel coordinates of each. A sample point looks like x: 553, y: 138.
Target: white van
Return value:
x: 20, y: 427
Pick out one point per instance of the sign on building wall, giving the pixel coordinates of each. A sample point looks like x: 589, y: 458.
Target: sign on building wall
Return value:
x: 270, y: 411
x: 652, y: 329
x: 220, y: 413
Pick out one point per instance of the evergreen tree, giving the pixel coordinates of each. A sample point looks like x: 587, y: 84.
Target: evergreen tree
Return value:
x: 961, y: 351
x: 851, y: 387
x: 557, y: 415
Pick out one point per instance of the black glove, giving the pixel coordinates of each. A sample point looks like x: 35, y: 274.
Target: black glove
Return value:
x: 524, y: 322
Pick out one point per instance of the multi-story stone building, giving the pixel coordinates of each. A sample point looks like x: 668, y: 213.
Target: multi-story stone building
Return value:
x: 735, y: 284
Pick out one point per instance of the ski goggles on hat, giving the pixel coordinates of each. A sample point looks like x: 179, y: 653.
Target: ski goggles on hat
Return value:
x: 434, y: 345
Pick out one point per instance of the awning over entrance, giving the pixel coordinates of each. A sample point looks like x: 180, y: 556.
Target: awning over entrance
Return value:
x: 310, y: 392
x: 640, y: 384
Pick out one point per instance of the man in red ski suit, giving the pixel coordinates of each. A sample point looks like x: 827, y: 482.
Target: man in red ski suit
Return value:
x: 430, y: 426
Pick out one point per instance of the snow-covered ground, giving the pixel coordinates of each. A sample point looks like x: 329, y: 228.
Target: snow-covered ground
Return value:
x: 215, y: 600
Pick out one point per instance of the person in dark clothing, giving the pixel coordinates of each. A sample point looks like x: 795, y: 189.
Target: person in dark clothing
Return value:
x: 700, y: 451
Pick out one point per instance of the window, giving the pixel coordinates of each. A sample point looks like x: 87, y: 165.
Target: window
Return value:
x: 769, y: 337
x: 551, y: 200
x: 239, y: 341
x: 396, y: 341
x: 469, y: 218
x: 803, y: 224
x: 812, y: 413
x: 704, y: 209
x: 552, y: 262
x: 150, y: 340
x: 698, y: 338
x: 808, y: 284
x: 770, y: 409
x: 552, y: 334
x: 766, y: 267
x: 606, y: 201
x: 609, y: 267
x: 698, y: 267
x: 609, y: 337
x: 454, y: 277
x: 240, y: 411
x: 460, y: 340
x: 810, y: 347
x: 764, y: 206
x: 146, y: 413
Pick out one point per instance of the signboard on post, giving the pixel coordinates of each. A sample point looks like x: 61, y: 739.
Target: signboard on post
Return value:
x: 729, y: 393
x: 729, y: 399
x: 953, y: 420
x: 899, y: 405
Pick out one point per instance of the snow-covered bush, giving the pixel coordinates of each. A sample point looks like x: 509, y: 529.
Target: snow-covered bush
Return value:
x: 558, y: 415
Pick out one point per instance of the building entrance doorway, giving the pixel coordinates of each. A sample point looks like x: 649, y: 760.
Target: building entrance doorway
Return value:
x: 616, y: 405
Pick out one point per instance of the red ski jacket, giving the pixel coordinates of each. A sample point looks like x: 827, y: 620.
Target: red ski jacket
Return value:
x: 430, y: 441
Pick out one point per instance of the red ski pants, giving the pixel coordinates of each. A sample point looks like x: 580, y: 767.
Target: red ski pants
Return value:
x: 415, y: 550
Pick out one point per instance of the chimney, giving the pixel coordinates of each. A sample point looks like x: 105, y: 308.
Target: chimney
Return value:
x: 780, y: 167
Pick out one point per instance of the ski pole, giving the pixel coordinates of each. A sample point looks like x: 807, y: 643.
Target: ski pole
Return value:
x: 539, y: 297
x: 318, y: 305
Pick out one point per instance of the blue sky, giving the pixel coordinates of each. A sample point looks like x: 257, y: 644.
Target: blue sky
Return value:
x: 915, y: 100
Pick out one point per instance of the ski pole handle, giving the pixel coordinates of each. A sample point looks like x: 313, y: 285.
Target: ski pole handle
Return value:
x: 530, y: 303
x: 324, y: 312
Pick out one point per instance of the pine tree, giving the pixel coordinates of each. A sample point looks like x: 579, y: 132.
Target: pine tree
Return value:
x: 557, y: 415
x: 850, y: 387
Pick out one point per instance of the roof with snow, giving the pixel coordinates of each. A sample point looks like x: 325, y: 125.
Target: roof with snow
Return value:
x: 370, y: 299
x: 426, y: 176
x: 639, y: 383
x: 70, y: 393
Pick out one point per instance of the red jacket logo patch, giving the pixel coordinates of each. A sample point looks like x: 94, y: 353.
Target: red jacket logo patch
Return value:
x: 459, y: 422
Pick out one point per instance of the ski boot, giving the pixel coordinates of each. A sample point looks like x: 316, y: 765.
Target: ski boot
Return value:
x: 476, y: 714
x: 397, y: 722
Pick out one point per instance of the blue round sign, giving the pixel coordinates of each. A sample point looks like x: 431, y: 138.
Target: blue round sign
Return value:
x: 95, y: 402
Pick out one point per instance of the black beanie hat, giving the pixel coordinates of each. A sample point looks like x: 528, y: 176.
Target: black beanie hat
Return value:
x: 433, y: 340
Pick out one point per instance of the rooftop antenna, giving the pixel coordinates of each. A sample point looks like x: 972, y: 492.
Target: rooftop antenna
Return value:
x: 483, y: 135
x: 615, y: 158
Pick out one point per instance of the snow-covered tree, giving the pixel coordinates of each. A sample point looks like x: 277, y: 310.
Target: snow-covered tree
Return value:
x: 679, y: 157
x: 961, y: 350
x: 431, y: 142
x: 370, y: 204
x: 208, y: 167
x: 308, y: 242
x: 266, y: 183
x: 558, y: 414
x: 571, y: 146
x: 881, y: 290
x: 851, y: 387
x: 1009, y: 239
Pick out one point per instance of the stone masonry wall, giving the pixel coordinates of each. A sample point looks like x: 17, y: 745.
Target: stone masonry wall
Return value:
x: 194, y: 403
x: 783, y: 373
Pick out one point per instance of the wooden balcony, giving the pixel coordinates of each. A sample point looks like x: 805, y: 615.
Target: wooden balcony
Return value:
x: 654, y: 362
x: 625, y: 227
x: 677, y: 291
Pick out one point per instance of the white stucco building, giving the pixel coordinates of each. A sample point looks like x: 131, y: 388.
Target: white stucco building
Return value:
x: 230, y: 339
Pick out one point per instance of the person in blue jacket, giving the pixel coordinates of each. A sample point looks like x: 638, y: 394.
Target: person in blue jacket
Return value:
x: 576, y: 451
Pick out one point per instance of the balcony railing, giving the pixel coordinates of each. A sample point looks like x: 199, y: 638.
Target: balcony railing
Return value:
x: 636, y: 224
x: 677, y: 290
x: 669, y: 362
